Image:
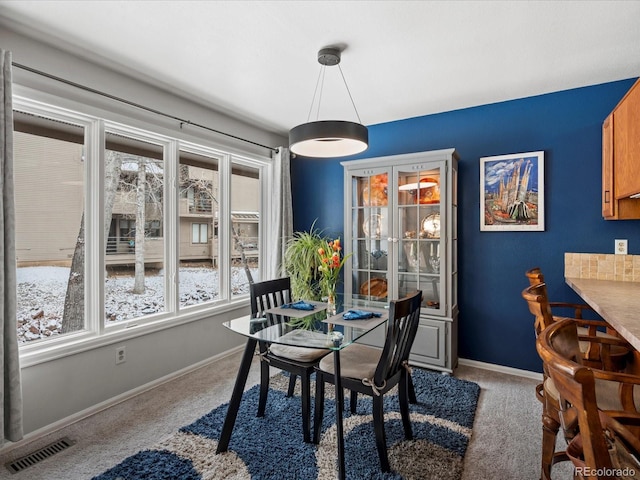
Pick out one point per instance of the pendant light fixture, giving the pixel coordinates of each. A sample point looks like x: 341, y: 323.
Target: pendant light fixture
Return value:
x: 329, y: 138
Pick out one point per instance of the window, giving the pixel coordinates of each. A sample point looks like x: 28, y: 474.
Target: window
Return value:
x: 244, y: 223
x: 153, y: 229
x: 98, y: 220
x: 134, y: 286
x: 199, y: 233
x: 49, y: 184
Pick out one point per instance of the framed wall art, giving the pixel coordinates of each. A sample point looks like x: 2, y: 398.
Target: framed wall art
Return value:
x: 512, y: 192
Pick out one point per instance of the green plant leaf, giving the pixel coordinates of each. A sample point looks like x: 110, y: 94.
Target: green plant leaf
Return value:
x: 301, y: 263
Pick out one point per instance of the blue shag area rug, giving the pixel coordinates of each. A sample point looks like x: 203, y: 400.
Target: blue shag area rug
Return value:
x: 271, y: 447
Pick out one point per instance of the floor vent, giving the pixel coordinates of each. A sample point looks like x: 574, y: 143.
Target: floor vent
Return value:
x: 35, y: 457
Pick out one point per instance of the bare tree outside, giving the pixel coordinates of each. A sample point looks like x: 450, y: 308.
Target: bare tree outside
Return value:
x: 52, y: 231
x: 138, y: 284
x: 73, y: 316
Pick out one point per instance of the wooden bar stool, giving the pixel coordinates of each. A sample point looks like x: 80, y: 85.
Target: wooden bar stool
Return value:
x: 614, y: 358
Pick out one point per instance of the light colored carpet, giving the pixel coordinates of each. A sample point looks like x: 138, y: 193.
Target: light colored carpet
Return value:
x: 505, y: 443
x: 507, y: 432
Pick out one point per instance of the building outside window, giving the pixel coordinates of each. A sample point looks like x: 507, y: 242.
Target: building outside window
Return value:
x: 63, y: 171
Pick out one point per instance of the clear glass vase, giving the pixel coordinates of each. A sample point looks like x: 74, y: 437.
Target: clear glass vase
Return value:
x: 331, y: 301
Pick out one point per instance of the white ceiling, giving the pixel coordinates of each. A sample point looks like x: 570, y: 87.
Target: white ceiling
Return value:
x: 401, y: 59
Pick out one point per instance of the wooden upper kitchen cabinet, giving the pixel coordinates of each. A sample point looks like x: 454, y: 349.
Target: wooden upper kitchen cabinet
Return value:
x: 621, y: 159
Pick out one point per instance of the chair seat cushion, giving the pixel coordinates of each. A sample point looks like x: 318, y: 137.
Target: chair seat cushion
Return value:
x: 300, y: 354
x: 617, y: 353
x: 607, y: 395
x: 356, y: 361
x: 585, y: 331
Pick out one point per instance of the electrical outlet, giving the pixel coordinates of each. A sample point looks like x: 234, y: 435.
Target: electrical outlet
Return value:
x: 621, y: 247
x: 121, y: 355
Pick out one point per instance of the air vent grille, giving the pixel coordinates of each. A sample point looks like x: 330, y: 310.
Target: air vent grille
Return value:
x: 41, y: 454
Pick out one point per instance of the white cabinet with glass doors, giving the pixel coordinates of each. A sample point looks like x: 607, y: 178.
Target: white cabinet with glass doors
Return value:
x: 401, y: 229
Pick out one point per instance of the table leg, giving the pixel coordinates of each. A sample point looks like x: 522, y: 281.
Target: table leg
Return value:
x: 339, y: 409
x: 236, y: 396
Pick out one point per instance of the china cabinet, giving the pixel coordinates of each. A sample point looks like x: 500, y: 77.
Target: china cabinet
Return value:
x: 400, y: 226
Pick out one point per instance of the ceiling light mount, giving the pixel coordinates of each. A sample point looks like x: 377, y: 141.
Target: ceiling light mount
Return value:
x: 329, y: 138
x: 329, y: 57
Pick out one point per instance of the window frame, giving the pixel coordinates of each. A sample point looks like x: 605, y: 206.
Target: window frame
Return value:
x: 199, y: 240
x: 96, y: 123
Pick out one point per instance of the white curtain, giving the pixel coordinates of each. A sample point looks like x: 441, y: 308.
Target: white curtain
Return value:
x: 280, y: 223
x: 10, y: 388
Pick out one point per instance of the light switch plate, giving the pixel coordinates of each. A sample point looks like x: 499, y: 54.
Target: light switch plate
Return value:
x: 621, y: 247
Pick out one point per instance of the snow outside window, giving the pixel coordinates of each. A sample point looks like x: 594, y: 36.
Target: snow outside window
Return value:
x: 91, y: 272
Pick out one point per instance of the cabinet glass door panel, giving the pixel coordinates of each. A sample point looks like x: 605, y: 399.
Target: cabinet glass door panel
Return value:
x: 419, y: 188
x: 372, y: 191
x: 370, y: 286
x: 431, y: 290
x: 421, y: 247
x: 374, y: 224
x: 370, y: 228
x: 370, y: 254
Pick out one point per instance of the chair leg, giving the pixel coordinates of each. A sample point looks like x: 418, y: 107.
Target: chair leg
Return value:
x: 378, y: 426
x: 318, y: 412
x: 550, y: 428
x: 353, y: 403
x: 292, y: 384
x: 306, y: 407
x: 264, y: 387
x: 412, y: 391
x: 403, y: 399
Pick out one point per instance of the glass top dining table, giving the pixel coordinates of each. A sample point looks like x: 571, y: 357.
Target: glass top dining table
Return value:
x: 302, y: 328
x: 309, y: 328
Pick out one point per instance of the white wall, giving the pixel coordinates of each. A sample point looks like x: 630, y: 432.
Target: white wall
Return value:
x: 61, y: 388
x: 45, y: 57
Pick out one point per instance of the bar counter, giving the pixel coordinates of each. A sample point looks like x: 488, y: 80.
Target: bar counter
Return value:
x: 617, y: 302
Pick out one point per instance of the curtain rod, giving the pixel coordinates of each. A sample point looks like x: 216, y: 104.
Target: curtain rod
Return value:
x: 137, y: 105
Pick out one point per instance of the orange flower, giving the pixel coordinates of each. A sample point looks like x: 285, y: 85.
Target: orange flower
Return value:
x: 331, y: 262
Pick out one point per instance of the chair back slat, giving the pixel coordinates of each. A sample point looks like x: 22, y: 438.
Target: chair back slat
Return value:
x: 269, y: 294
x: 404, y: 316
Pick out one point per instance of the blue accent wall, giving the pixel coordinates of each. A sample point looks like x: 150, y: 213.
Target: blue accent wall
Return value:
x: 495, y: 325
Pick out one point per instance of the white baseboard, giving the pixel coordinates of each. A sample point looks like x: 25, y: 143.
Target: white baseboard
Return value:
x: 501, y: 369
x: 76, y: 417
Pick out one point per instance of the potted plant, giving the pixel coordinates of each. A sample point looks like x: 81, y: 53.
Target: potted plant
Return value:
x: 301, y: 262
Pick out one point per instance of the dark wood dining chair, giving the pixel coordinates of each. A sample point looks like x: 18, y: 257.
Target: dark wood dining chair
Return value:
x: 298, y: 361
x: 610, y: 356
x: 600, y: 438
x: 371, y: 371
